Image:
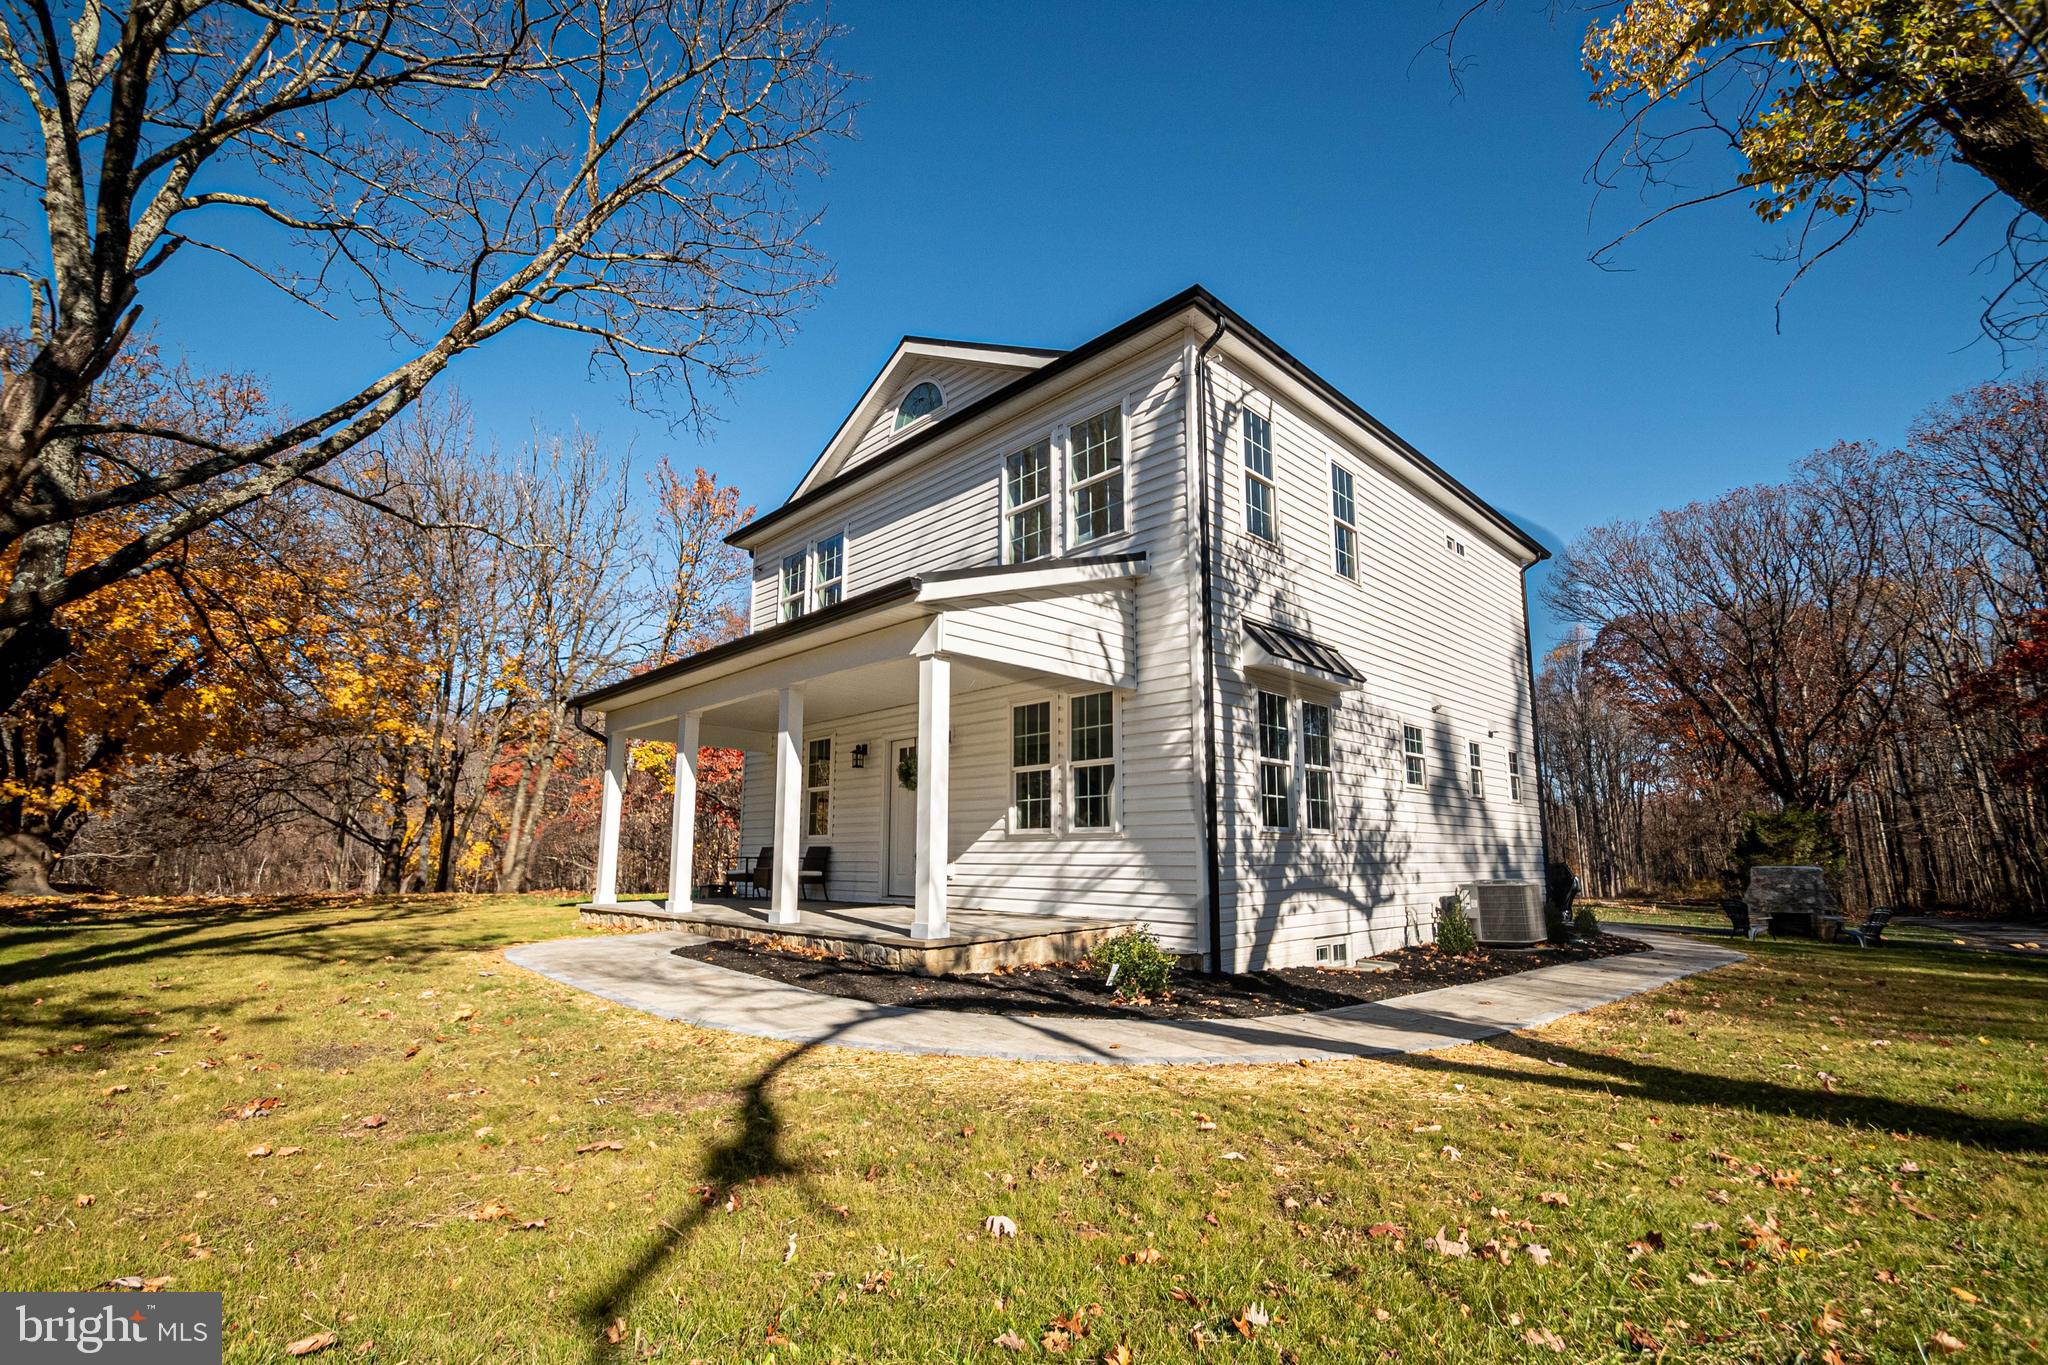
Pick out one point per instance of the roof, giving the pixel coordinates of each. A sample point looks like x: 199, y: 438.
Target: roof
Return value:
x: 902, y: 590
x: 1295, y: 647
x: 1195, y: 299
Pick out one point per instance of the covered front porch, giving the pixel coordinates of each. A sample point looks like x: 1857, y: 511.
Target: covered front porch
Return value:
x: 909, y: 654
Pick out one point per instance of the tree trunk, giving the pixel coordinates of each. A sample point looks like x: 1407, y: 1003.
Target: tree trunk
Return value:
x: 1998, y: 130
x: 25, y: 862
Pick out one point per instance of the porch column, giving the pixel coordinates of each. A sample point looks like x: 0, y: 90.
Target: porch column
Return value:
x: 682, y: 820
x: 934, y: 791
x: 789, y: 805
x: 607, y: 892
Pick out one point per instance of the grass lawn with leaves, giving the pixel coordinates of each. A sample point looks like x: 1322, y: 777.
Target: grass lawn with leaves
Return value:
x: 353, y: 1117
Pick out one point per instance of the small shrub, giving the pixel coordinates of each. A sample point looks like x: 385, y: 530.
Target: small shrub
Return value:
x: 1453, y: 930
x: 1585, y: 924
x: 1147, y: 968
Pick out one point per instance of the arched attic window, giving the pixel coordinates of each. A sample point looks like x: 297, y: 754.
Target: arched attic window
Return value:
x: 923, y: 399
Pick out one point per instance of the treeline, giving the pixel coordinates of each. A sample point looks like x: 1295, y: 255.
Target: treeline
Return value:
x: 363, y: 683
x: 1867, y: 641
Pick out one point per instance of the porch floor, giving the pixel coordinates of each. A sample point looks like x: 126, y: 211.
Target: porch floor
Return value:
x: 979, y: 941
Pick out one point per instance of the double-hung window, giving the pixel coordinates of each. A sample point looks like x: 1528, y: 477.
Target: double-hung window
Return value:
x: 1411, y: 755
x: 795, y: 584
x: 1344, y: 520
x: 1260, y: 502
x: 1027, y: 503
x: 818, y: 788
x: 828, y: 570
x: 1514, y: 775
x: 1276, y: 764
x: 1031, y: 766
x: 1095, y: 475
x: 1091, y: 761
x: 813, y: 577
x: 1320, y: 799
x: 1478, y: 770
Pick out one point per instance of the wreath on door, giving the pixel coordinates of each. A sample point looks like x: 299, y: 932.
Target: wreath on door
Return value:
x: 906, y: 770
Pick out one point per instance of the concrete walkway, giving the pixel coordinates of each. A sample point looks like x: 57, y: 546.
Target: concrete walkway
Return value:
x: 642, y: 971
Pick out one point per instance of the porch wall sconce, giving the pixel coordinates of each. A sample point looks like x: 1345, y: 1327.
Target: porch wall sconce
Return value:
x: 860, y: 755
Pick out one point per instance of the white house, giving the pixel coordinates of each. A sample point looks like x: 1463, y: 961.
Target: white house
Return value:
x: 1166, y: 628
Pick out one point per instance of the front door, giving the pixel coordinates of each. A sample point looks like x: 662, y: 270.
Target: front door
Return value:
x: 902, y: 860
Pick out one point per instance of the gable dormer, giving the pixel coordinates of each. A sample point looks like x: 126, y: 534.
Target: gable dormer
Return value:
x: 925, y: 379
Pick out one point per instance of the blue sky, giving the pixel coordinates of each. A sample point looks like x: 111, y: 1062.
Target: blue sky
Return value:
x: 1036, y: 173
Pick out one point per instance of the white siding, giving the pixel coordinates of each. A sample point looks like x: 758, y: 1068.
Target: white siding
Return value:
x: 946, y: 514
x: 1440, y: 639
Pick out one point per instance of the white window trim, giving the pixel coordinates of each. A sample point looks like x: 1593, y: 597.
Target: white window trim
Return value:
x: 1475, y: 770
x: 1515, y: 776
x: 1063, y: 436
x: 1357, y: 573
x: 1292, y: 763
x: 1055, y: 706
x: 1306, y: 767
x: 1064, y: 786
x: 831, y: 775
x: 784, y: 599
x: 809, y: 593
x: 1272, y: 483
x: 897, y: 426
x: 1419, y: 755
x: 1053, y: 460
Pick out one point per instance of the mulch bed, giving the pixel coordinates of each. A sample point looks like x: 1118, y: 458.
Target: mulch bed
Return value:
x: 1069, y: 989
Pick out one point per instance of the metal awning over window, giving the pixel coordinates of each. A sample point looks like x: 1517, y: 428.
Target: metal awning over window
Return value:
x: 1274, y: 646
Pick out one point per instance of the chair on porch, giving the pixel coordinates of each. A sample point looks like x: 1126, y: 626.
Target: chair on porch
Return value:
x: 816, y: 869
x: 745, y: 881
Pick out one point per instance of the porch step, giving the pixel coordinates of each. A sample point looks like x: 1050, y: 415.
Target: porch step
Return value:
x: 980, y: 941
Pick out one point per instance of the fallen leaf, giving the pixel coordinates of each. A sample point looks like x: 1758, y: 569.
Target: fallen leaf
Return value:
x: 260, y: 1149
x: 1965, y: 1295
x: 490, y: 1212
x: 373, y: 1121
x: 306, y: 1346
x: 288, y: 1151
x: 1382, y: 1315
x: 1010, y: 1341
x: 1543, y: 1336
x: 1056, y: 1341
x: 1557, y: 1199
x: 1946, y: 1344
x: 115, y: 1090
x: 1119, y: 1354
x: 607, y: 1146
x: 1537, y: 1252
x: 616, y: 1333
x: 999, y: 1226
x: 1640, y: 1339
x: 1829, y: 1321
x: 1142, y: 1256
x: 86, y: 1201
x: 1444, y: 1246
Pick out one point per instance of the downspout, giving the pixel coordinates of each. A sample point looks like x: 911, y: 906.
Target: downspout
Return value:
x: 1211, y: 817
x: 1535, y: 737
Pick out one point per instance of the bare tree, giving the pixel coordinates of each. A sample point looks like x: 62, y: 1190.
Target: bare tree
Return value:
x: 624, y: 171
x: 1764, y: 620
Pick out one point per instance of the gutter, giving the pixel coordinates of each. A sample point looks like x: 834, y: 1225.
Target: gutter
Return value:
x: 1198, y: 398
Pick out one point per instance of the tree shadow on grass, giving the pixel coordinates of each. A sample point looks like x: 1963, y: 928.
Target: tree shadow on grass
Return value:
x: 1628, y: 1078
x: 752, y: 1156
x: 84, y: 937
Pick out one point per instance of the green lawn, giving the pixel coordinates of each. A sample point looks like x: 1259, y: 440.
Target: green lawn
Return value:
x: 1819, y: 1154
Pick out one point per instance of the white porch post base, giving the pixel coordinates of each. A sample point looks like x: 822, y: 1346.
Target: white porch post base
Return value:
x: 934, y: 792
x: 682, y: 829
x: 607, y: 890
x: 789, y: 800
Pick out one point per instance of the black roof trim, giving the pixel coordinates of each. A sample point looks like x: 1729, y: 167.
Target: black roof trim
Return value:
x: 1194, y: 296
x: 889, y: 594
x: 1283, y: 642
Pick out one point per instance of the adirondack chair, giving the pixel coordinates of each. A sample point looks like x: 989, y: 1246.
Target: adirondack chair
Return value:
x: 1870, y: 933
x: 1739, y: 918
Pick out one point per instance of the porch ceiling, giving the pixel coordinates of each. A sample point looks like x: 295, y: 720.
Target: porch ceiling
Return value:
x: 750, y: 721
